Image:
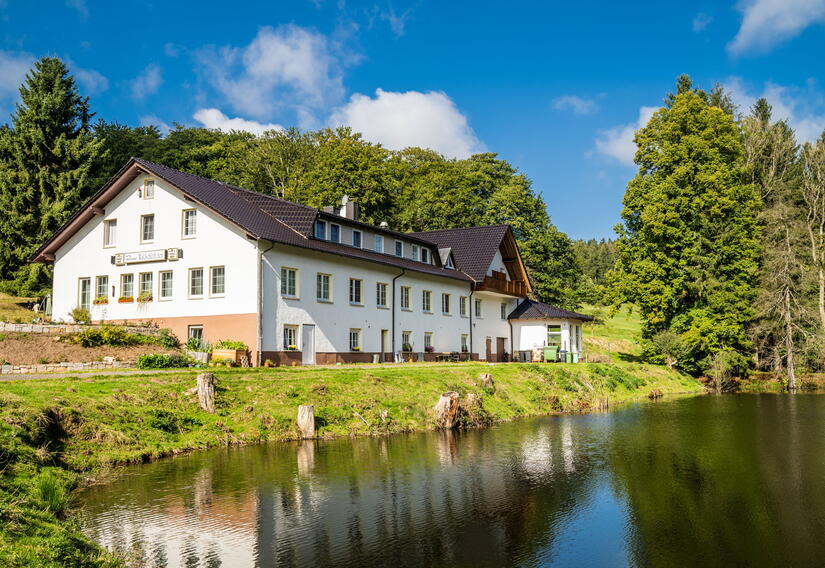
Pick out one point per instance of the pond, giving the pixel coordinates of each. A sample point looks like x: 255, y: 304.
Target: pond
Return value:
x: 709, y: 480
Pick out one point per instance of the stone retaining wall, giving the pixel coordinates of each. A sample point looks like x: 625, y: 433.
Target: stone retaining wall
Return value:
x: 58, y: 328
x: 106, y: 363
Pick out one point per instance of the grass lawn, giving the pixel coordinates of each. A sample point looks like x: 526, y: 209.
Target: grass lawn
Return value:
x: 11, y: 310
x: 617, y: 335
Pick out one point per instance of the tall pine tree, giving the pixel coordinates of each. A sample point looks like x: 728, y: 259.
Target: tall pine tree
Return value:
x: 46, y: 161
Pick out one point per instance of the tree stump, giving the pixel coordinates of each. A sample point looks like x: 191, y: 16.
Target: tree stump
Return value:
x: 486, y: 380
x: 446, y: 410
x: 384, y: 415
x: 306, y: 420
x: 206, y: 391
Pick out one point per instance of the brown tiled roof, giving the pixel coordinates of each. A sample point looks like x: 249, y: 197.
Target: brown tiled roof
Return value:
x: 262, y: 216
x: 531, y: 309
x: 473, y: 248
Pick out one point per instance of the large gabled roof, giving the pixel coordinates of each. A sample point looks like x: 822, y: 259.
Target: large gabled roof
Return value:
x: 531, y: 309
x: 260, y: 216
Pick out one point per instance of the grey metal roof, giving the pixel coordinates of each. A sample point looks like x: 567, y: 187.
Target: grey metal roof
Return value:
x: 531, y: 309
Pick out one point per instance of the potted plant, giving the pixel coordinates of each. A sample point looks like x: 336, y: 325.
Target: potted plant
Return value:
x: 356, y: 349
x: 144, y: 297
x: 406, y: 347
x: 429, y: 349
x: 292, y: 348
x: 125, y: 300
x: 229, y: 349
x: 100, y: 300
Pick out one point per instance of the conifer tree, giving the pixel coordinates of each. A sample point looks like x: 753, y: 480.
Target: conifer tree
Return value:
x: 46, y: 161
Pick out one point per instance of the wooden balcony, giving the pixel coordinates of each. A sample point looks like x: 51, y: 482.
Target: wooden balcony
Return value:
x: 498, y: 283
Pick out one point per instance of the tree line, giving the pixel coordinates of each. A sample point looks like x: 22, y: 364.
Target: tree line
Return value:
x: 54, y: 155
x: 722, y: 242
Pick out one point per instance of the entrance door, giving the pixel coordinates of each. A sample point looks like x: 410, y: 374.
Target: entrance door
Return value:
x: 500, y: 348
x: 385, y: 333
x: 489, y: 355
x: 308, y: 344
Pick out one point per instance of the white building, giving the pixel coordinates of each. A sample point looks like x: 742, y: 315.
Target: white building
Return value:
x: 207, y: 259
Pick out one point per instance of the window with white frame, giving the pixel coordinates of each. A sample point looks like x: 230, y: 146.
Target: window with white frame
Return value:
x: 449, y: 263
x: 323, y: 292
x: 427, y: 301
x: 378, y: 243
x: 335, y: 233
x: 465, y: 343
x: 462, y: 306
x: 195, y: 332
x: 428, y: 340
x: 478, y: 308
x: 217, y: 281
x: 381, y: 294
x: 289, y: 282
x: 405, y: 297
x: 148, y: 189
x: 406, y: 341
x: 399, y: 248
x: 554, y: 335
x: 147, y: 228
x: 127, y: 282
x: 425, y: 255
x: 445, y: 303
x: 320, y: 229
x: 503, y: 311
x: 415, y: 252
x: 195, y: 282
x: 145, y: 284
x: 355, y: 291
x: 166, y: 284
x: 354, y: 339
x: 84, y: 292
x: 190, y: 223
x: 290, y: 337
x: 357, y: 237
x: 101, y: 287
x: 110, y: 232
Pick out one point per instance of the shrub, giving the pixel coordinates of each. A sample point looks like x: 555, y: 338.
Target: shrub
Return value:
x: 199, y: 345
x: 230, y: 344
x: 167, y: 339
x: 161, y: 361
x: 81, y: 315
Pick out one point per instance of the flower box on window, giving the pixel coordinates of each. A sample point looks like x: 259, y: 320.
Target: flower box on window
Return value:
x: 292, y: 348
x: 125, y: 300
x: 429, y: 349
x: 356, y: 349
x: 100, y: 300
x: 144, y: 297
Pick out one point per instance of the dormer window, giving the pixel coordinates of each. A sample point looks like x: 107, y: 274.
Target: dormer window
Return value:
x: 415, y: 252
x: 449, y: 263
x: 356, y: 238
x: 320, y: 229
x: 148, y: 189
x: 378, y: 243
x: 425, y: 255
x: 399, y: 248
x: 335, y: 233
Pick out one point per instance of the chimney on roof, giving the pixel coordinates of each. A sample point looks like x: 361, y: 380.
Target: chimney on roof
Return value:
x: 348, y: 209
x: 384, y: 225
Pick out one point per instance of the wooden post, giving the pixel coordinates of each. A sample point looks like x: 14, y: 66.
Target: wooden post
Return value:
x: 206, y: 391
x: 306, y: 420
x: 446, y: 410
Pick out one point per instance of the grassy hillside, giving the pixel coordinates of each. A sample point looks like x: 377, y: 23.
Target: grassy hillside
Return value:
x: 11, y: 309
x: 56, y: 433
x: 617, y: 336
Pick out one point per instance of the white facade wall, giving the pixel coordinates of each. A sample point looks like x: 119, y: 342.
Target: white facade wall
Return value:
x: 335, y: 319
x: 530, y: 334
x: 217, y: 243
x: 491, y: 324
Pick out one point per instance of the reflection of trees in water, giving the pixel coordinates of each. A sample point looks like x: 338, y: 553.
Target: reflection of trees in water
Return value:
x: 480, y: 498
x: 724, y: 480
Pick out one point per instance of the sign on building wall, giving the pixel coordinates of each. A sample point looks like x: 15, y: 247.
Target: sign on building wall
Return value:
x: 158, y: 255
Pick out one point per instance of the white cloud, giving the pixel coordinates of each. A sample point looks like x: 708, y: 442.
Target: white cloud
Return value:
x: 766, y: 23
x: 803, y: 108
x: 13, y: 69
x: 92, y: 81
x: 215, y: 119
x: 575, y: 103
x: 152, y: 120
x: 617, y: 142
x: 701, y: 21
x: 283, y: 66
x: 396, y: 21
x: 399, y: 120
x: 148, y: 82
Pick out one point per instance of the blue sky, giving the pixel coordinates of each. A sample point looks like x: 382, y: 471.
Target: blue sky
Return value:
x: 556, y: 89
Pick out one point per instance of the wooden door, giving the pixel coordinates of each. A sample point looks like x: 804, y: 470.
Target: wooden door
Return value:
x: 500, y: 348
x: 489, y: 346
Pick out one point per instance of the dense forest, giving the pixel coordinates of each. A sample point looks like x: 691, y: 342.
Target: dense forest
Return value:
x: 721, y: 248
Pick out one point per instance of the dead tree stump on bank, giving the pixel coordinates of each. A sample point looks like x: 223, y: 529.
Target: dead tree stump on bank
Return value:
x: 446, y: 410
x: 306, y: 420
x: 206, y: 392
